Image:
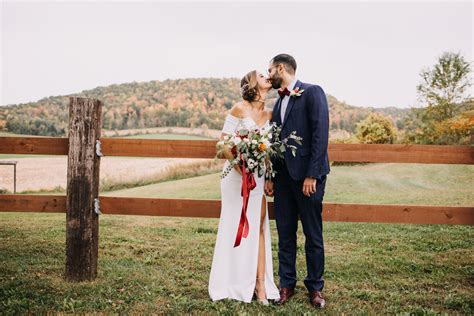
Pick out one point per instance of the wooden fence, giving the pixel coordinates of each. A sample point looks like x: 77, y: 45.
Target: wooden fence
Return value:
x: 82, y: 201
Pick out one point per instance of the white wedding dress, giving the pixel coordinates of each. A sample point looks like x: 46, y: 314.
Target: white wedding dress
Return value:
x: 234, y: 270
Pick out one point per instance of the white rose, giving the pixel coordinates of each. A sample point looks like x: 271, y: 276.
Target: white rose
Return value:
x: 237, y: 140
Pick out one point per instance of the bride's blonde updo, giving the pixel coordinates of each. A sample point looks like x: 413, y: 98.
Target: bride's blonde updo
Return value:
x: 249, y: 86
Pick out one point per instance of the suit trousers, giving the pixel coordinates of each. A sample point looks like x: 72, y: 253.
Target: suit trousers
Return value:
x: 290, y: 203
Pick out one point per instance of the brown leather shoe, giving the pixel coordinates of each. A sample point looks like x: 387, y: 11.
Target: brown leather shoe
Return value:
x: 316, y: 299
x: 285, y: 294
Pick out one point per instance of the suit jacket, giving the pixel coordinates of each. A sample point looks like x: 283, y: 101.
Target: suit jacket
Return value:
x: 308, y: 115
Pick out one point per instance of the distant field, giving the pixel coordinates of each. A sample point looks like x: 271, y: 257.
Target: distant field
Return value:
x: 13, y: 157
x: 167, y: 136
x: 7, y: 134
x: 212, y: 133
x: 50, y: 173
x: 370, y: 183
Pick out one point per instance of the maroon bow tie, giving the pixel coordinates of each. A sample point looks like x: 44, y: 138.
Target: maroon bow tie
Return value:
x: 283, y: 92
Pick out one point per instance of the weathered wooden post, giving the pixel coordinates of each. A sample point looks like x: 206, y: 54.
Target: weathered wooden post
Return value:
x: 82, y: 221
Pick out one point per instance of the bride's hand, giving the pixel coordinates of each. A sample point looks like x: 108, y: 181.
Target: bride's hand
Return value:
x: 269, y: 187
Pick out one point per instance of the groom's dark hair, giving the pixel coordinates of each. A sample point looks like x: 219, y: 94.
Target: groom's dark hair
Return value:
x: 287, y: 60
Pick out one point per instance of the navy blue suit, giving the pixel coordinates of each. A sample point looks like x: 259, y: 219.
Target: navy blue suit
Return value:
x: 308, y: 115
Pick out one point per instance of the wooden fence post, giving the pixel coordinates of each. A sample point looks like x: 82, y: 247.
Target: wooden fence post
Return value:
x: 82, y: 222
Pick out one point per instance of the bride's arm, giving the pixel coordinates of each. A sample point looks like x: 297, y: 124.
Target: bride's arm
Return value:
x: 225, y: 151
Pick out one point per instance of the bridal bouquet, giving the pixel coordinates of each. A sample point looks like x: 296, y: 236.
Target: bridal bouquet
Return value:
x: 252, y: 148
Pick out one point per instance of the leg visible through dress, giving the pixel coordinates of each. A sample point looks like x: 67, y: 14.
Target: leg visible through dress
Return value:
x: 260, y: 284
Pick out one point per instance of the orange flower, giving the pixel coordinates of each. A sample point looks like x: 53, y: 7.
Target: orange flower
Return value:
x: 262, y: 147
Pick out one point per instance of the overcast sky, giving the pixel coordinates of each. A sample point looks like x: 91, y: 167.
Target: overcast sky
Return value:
x: 365, y: 53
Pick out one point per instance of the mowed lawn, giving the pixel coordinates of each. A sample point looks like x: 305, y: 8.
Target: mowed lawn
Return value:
x: 162, y: 264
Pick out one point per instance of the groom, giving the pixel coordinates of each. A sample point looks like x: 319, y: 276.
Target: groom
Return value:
x: 299, y: 183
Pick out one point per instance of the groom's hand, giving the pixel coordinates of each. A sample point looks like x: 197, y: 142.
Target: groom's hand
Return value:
x: 269, y: 187
x: 309, y: 186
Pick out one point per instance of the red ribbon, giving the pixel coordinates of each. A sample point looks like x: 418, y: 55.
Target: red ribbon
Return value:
x: 248, y: 184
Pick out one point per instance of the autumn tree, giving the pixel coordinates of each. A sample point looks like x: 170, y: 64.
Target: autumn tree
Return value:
x: 444, y: 92
x: 376, y: 129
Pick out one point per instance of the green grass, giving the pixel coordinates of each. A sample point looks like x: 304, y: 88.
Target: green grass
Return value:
x: 162, y: 265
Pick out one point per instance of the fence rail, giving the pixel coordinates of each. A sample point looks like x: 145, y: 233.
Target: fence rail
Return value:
x: 333, y: 212
x: 397, y: 153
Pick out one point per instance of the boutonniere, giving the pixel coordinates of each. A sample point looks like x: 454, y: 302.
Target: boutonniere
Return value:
x: 296, y: 92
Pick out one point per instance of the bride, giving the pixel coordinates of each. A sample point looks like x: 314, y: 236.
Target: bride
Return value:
x: 239, y: 272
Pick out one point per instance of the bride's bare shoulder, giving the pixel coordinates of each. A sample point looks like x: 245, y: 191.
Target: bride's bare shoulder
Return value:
x: 237, y: 110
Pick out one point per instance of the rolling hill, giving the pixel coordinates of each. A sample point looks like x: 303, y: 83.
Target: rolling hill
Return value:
x: 200, y: 102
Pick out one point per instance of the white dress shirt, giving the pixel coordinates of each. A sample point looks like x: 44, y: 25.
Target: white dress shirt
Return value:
x: 286, y: 99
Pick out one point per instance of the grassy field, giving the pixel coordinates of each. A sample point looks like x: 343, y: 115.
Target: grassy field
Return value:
x: 162, y: 264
